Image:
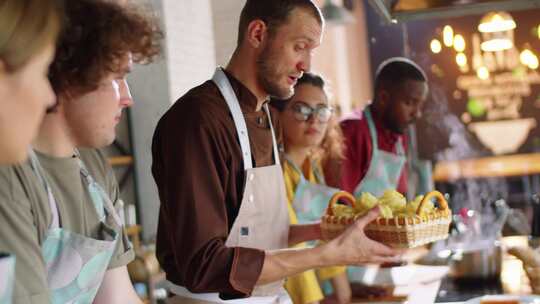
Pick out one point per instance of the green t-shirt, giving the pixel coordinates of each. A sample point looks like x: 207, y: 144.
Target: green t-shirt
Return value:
x: 25, y: 215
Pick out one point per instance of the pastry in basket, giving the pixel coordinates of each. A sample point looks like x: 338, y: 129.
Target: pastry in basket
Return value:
x: 400, y: 225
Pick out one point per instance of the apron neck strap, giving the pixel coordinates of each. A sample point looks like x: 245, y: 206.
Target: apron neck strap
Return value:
x: 373, y: 132
x: 91, y: 184
x: 39, y: 171
x: 318, y: 175
x: 224, y: 86
x: 274, y: 141
x: 372, y: 128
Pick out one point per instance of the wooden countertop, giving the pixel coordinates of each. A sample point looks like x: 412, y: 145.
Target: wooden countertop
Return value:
x: 497, y: 166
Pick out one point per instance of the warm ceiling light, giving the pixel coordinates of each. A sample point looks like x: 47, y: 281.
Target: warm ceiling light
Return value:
x: 534, y: 63
x: 435, y: 46
x: 528, y: 58
x: 496, y: 45
x: 461, y: 60
x: 497, y: 32
x: 496, y: 22
x: 482, y: 73
x: 459, y: 43
x: 448, y: 35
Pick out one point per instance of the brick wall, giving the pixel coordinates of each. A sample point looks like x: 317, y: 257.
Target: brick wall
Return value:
x: 226, y: 15
x: 190, y: 44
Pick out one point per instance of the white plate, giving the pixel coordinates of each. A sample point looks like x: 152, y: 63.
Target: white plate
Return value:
x: 521, y: 299
x: 398, y: 276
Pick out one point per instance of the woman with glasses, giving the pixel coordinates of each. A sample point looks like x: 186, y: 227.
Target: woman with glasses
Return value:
x: 310, y: 134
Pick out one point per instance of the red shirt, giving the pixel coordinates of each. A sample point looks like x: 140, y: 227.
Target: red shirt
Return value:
x: 359, y: 149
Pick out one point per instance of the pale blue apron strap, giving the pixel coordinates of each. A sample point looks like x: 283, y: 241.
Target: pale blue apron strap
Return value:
x: 274, y: 141
x: 372, y: 132
x: 294, y: 166
x: 38, y: 170
x: 318, y: 175
x: 108, y: 205
x: 400, y: 149
x: 220, y: 79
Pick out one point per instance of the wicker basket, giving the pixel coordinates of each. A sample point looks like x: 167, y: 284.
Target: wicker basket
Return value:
x: 402, y: 231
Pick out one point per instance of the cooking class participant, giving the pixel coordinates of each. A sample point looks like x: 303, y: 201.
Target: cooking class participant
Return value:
x: 28, y: 31
x: 309, y: 134
x: 59, y: 211
x: 223, y: 215
x: 375, y: 139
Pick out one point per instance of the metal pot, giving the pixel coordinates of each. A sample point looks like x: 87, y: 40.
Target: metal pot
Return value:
x: 484, y: 261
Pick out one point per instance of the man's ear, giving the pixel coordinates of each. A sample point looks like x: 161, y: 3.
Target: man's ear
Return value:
x: 3, y: 68
x: 257, y: 33
x: 383, y: 98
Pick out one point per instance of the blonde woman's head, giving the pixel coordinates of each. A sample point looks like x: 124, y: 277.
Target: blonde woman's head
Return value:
x: 28, y: 32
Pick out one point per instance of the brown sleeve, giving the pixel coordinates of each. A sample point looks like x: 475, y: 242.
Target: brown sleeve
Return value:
x: 191, y: 169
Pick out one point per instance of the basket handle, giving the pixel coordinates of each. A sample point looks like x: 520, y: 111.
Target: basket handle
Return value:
x: 343, y: 196
x: 443, y: 204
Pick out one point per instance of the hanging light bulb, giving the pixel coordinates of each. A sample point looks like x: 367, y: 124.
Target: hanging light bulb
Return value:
x: 435, y: 46
x: 497, y: 31
x: 526, y: 57
x: 496, y: 45
x: 461, y: 59
x: 529, y: 58
x: 483, y: 73
x: 534, y: 63
x: 459, y: 43
x: 448, y: 35
x: 496, y: 22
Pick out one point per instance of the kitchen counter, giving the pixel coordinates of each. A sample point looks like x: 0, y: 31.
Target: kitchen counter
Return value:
x: 513, y: 280
x: 497, y: 166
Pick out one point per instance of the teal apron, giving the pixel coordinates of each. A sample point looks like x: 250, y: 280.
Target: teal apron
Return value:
x: 385, y: 168
x: 310, y: 199
x: 310, y: 202
x: 76, y: 264
x: 7, y: 278
x: 384, y: 172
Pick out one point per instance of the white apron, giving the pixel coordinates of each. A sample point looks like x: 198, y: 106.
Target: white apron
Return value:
x: 263, y: 219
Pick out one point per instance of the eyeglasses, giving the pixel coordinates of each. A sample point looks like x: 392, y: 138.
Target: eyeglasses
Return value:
x: 303, y: 112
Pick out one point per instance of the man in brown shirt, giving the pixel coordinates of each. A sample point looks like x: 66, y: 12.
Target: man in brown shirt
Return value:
x: 199, y: 170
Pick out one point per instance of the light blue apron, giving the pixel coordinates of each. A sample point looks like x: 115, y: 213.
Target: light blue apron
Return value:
x: 7, y: 278
x: 384, y: 172
x: 385, y: 168
x: 76, y: 264
x: 310, y: 202
x: 310, y: 199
